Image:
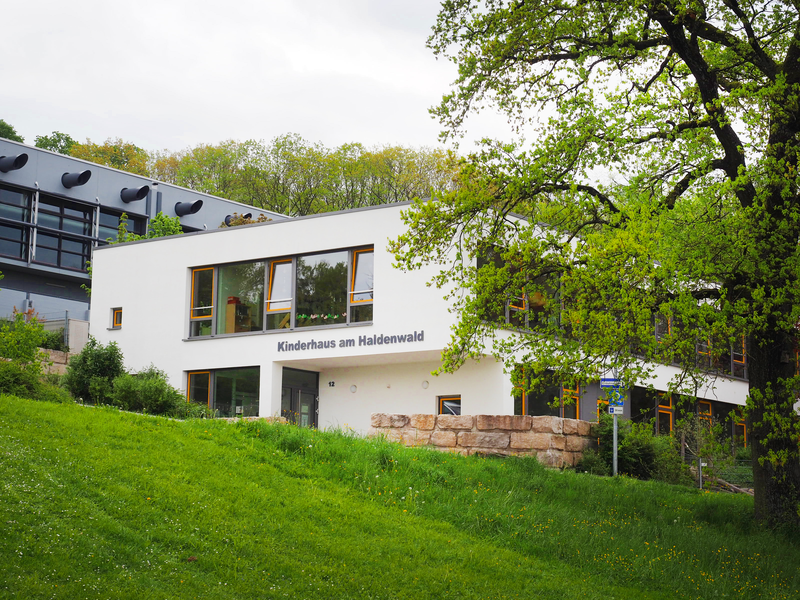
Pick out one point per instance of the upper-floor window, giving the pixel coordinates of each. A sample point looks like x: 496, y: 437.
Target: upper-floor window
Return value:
x: 310, y: 290
x: 15, y: 216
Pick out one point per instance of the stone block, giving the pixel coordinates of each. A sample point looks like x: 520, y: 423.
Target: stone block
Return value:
x: 379, y: 420
x: 558, y: 442
x: 398, y: 420
x: 584, y: 428
x: 507, y: 422
x: 415, y: 437
x: 571, y: 458
x: 569, y: 426
x: 529, y: 440
x: 443, y: 439
x: 576, y: 444
x: 546, y: 424
x: 455, y: 422
x: 469, y: 439
x: 423, y: 421
x: 551, y: 458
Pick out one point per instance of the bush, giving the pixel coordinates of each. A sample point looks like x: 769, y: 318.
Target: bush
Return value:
x: 148, y: 391
x: 641, y: 453
x: 592, y: 463
x: 17, y: 380
x: 54, y: 340
x: 48, y: 392
x: 90, y: 374
x: 20, y: 340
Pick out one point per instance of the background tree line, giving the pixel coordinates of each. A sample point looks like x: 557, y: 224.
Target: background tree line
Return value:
x: 289, y: 174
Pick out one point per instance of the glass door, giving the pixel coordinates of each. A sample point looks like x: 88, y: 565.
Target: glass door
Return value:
x: 299, y: 397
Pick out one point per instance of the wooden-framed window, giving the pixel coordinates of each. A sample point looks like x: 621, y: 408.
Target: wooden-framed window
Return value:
x: 449, y: 405
x: 571, y: 401
x: 279, y: 294
x: 704, y: 411
x: 362, y: 279
x: 116, y: 318
x: 664, y: 414
x: 202, y: 308
x: 228, y: 392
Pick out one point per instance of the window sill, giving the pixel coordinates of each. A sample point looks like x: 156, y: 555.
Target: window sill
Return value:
x: 220, y: 336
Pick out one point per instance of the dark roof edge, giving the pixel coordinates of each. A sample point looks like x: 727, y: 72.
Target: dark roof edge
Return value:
x: 267, y: 224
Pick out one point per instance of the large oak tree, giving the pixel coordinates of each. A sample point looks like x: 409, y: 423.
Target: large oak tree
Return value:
x: 659, y: 189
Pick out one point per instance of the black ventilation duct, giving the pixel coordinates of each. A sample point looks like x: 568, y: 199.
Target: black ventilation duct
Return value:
x: 229, y: 218
x: 188, y: 208
x: 71, y: 180
x: 12, y: 163
x: 133, y: 194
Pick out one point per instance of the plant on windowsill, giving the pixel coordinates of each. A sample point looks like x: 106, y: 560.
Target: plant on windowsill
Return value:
x: 320, y: 319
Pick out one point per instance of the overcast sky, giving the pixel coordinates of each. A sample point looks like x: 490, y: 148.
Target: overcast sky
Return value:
x: 170, y: 74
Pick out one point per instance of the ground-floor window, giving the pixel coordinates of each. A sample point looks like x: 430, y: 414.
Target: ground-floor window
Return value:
x: 555, y: 398
x: 228, y: 392
x: 449, y: 405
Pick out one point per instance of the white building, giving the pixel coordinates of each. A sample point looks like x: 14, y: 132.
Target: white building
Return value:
x: 308, y: 318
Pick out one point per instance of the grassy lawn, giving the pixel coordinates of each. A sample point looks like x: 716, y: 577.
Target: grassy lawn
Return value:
x: 101, y: 504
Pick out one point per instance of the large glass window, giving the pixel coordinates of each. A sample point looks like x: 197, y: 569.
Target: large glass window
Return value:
x: 109, y: 225
x: 240, y: 296
x: 64, y: 235
x: 15, y: 212
x: 361, y: 286
x: 202, y: 301
x: 313, y: 290
x: 228, y: 392
x: 322, y: 289
x: 279, y: 294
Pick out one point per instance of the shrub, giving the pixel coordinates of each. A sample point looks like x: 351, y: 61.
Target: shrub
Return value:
x: 20, y: 340
x: 17, y: 380
x: 54, y: 340
x: 592, y: 463
x: 641, y: 453
x: 48, y: 392
x: 90, y: 374
x: 148, y: 391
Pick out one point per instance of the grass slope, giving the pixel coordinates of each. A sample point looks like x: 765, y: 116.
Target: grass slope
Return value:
x: 101, y: 504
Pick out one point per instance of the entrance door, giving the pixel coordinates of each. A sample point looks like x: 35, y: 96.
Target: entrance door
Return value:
x: 300, y: 397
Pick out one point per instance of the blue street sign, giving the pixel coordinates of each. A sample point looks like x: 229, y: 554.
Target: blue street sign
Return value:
x: 608, y: 382
x: 615, y: 410
x: 615, y: 398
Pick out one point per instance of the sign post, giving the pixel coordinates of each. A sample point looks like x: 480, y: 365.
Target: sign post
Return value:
x: 615, y: 407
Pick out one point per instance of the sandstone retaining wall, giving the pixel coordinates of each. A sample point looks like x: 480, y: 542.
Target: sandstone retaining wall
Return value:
x: 554, y: 441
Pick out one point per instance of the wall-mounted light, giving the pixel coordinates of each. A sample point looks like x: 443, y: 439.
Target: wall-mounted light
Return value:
x: 188, y: 208
x: 12, y: 163
x: 134, y: 194
x: 353, y: 389
x: 70, y: 180
x: 424, y: 385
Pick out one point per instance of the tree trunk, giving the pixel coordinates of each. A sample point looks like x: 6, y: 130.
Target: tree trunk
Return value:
x: 772, y: 438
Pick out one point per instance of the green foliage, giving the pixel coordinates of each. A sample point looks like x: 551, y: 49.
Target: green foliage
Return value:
x: 90, y: 374
x: 640, y: 453
x: 114, y: 153
x: 668, y: 195
x: 7, y: 131
x: 55, y: 142
x: 20, y: 340
x: 592, y: 462
x: 147, y: 391
x: 276, y: 511
x: 54, y: 340
x: 49, y: 392
x: 159, y: 226
x: 17, y: 380
x: 237, y: 219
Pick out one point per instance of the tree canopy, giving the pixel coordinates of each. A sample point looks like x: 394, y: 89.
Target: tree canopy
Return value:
x: 7, y: 131
x: 660, y: 193
x: 55, y: 142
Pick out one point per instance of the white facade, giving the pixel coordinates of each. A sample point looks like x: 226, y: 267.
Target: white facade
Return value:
x: 361, y: 368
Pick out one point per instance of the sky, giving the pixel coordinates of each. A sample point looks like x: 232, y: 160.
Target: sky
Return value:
x: 172, y: 74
